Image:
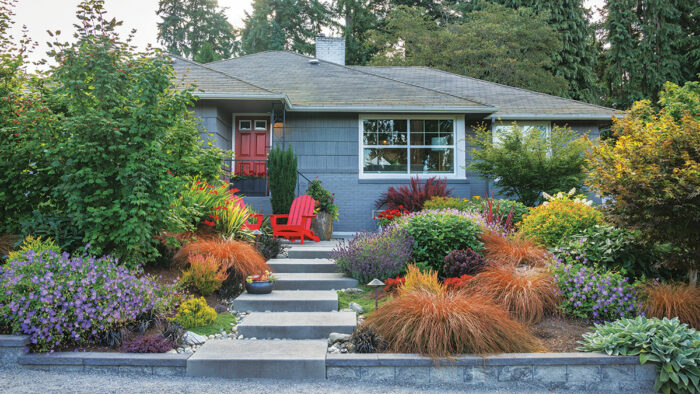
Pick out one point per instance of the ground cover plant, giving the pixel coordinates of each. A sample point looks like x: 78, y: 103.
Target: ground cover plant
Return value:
x: 613, y: 248
x: 672, y: 300
x: 594, y: 293
x: 223, y: 322
x: 147, y: 344
x: 195, y: 313
x: 559, y: 217
x: 374, y: 255
x: 670, y: 345
x: 512, y: 249
x: 528, y: 294
x: 437, y: 233
x: 413, y: 196
x: 366, y: 299
x: 61, y: 300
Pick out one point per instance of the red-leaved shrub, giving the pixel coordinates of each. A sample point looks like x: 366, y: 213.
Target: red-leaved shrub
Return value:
x: 527, y: 293
x: 673, y: 300
x: 448, y: 323
x: 463, y: 262
x: 413, y: 196
x: 152, y: 344
x: 391, y: 285
x: 457, y: 283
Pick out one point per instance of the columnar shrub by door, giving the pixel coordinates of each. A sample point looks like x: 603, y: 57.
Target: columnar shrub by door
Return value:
x: 282, y: 167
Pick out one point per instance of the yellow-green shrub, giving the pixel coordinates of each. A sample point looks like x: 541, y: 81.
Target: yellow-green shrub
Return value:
x: 195, y: 313
x: 204, y: 274
x: 37, y: 245
x: 559, y: 218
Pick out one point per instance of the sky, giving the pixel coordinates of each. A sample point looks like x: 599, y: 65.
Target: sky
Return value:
x: 42, y: 15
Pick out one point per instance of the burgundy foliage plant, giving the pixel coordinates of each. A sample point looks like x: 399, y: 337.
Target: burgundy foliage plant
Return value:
x: 413, y: 196
x: 463, y: 262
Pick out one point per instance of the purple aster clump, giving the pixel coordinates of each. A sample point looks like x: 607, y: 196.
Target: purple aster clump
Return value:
x: 63, y: 300
x: 374, y: 255
x: 592, y: 293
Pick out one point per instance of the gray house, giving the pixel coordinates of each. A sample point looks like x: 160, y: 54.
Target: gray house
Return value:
x: 360, y: 129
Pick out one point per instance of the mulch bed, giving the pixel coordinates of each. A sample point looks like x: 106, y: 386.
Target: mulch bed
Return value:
x: 560, y: 335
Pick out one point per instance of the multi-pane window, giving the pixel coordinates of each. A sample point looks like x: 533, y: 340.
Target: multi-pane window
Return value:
x: 408, y: 146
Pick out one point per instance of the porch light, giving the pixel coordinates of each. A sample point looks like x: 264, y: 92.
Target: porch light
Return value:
x: 376, y: 284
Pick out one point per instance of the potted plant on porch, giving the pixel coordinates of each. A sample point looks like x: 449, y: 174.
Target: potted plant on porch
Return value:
x: 260, y: 284
x: 326, y: 210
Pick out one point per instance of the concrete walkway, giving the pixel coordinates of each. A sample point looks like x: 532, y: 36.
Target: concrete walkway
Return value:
x: 285, y: 332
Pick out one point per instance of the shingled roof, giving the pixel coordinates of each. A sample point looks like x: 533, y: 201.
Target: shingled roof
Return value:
x: 307, y: 84
x: 512, y: 103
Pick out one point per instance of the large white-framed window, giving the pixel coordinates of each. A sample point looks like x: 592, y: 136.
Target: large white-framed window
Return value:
x: 403, y: 146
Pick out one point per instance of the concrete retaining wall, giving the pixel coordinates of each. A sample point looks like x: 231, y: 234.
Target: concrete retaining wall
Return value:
x: 530, y: 371
x: 123, y: 363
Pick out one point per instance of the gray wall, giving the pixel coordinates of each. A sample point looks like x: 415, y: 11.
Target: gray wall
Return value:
x: 327, y: 148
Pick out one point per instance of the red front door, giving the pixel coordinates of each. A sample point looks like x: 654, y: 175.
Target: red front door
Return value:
x: 252, y: 140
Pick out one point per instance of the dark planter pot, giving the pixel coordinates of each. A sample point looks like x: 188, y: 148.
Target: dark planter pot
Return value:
x: 322, y: 226
x: 259, y: 287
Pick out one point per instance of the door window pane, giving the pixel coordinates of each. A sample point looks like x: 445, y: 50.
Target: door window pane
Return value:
x: 244, y: 125
x: 260, y: 125
x: 425, y: 160
x: 385, y: 160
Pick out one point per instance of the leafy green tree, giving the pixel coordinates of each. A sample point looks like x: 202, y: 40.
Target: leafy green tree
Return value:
x: 284, y: 25
x: 196, y: 29
x: 524, y: 162
x: 648, y: 43
x: 575, y: 60
x: 499, y: 44
x: 651, y: 172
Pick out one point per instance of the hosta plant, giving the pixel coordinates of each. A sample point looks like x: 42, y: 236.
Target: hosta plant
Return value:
x: 669, y: 344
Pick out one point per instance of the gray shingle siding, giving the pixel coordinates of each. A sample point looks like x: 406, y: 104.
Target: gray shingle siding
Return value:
x: 215, y: 126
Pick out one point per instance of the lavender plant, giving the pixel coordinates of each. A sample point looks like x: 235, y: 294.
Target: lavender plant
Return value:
x: 590, y: 292
x: 374, y: 255
x: 61, y: 300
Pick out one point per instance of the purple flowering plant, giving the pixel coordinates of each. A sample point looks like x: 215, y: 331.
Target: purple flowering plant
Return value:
x: 63, y: 300
x: 374, y: 255
x: 593, y: 293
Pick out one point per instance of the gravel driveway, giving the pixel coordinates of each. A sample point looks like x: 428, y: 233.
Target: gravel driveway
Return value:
x: 27, y: 381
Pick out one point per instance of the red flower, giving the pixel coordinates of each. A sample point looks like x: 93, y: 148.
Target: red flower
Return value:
x: 209, y: 223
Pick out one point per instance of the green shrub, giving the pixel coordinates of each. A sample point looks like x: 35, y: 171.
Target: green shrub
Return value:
x: 54, y: 225
x: 613, y: 248
x: 282, y: 169
x: 557, y: 219
x: 524, y: 161
x: 437, y: 202
x: 37, y: 245
x: 437, y: 233
x: 670, y: 345
x: 195, y: 313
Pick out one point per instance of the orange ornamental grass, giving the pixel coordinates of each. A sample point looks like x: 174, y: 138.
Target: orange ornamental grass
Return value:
x: 527, y: 293
x: 673, y: 300
x: 512, y: 250
x: 448, y: 323
x: 417, y: 280
x: 240, y: 257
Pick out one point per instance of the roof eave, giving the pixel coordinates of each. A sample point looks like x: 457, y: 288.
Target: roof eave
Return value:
x: 392, y: 109
x: 548, y: 116
x: 239, y: 96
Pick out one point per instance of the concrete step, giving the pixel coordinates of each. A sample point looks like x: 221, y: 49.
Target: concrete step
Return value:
x: 314, y: 281
x: 302, y: 265
x: 288, y: 301
x: 260, y: 359
x: 296, y: 325
x: 309, y: 251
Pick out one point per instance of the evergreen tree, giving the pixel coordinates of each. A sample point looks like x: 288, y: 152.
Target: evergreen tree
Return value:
x: 648, y: 43
x: 360, y: 17
x: 196, y: 29
x: 576, y: 60
x: 284, y: 25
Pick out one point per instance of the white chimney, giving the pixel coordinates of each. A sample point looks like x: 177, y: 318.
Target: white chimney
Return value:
x: 330, y: 49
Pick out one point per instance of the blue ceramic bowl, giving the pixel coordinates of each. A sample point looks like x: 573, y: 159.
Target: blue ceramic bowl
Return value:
x: 259, y: 287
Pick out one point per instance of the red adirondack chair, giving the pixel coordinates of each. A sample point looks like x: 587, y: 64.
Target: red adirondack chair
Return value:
x: 258, y: 217
x: 298, y: 221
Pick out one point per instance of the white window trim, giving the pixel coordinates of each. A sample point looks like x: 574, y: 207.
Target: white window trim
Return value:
x: 259, y: 120
x: 245, y: 120
x: 457, y: 145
